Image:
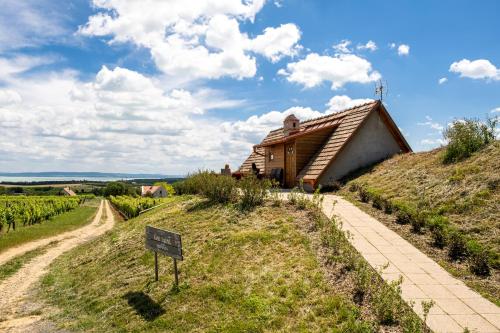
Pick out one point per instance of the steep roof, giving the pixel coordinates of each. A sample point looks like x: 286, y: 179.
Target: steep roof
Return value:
x: 257, y: 157
x: 69, y: 191
x: 149, y: 189
x: 345, y: 124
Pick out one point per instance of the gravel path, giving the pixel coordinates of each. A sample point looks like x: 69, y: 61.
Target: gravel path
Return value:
x: 15, y: 290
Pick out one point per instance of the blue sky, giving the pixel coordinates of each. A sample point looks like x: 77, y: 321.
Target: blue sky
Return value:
x: 173, y: 86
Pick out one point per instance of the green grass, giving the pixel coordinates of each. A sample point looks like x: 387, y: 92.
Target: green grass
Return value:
x: 12, y: 266
x: 56, y: 225
x: 241, y: 273
x: 466, y: 193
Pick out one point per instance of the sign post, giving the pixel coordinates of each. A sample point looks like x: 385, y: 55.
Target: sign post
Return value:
x: 167, y: 243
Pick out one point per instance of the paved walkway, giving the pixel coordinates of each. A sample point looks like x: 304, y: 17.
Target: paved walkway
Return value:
x: 457, y: 306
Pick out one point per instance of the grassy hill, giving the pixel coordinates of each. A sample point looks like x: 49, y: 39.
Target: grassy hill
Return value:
x: 257, y: 271
x: 464, y: 194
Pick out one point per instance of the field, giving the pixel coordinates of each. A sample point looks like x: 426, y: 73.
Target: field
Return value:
x: 66, y: 221
x: 466, y: 194
x: 243, y: 272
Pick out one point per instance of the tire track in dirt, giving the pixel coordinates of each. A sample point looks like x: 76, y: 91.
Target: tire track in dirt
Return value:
x: 14, y: 291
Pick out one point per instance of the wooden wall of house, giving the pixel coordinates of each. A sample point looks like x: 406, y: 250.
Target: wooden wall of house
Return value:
x: 307, y: 145
x: 279, y: 158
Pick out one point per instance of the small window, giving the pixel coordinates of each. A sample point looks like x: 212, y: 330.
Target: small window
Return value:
x: 294, y: 125
x: 271, y: 156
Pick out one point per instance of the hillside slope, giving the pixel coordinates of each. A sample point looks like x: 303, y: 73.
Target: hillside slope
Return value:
x: 242, y: 273
x: 466, y: 193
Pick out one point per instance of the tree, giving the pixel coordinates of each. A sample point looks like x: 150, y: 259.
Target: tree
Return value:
x: 115, y: 188
x: 170, y: 189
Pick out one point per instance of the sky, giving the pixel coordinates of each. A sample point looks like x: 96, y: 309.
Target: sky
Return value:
x: 173, y: 86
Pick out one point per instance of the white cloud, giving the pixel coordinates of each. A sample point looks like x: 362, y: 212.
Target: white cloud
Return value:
x: 343, y: 46
x: 278, y: 3
x: 476, y: 69
x: 442, y: 80
x: 495, y: 110
x: 119, y: 121
x: 433, y: 142
x: 342, y: 102
x: 255, y: 128
x: 275, y: 43
x: 30, y: 23
x: 432, y: 124
x: 339, y: 70
x: 370, y: 45
x: 392, y: 45
x: 404, y: 49
x: 202, y: 40
x: 9, y: 97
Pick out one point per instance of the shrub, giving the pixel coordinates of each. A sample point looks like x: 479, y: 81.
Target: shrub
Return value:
x: 478, y: 258
x: 274, y: 194
x: 353, y: 187
x: 378, y: 201
x: 457, y: 243
x: 168, y: 187
x: 438, y: 226
x: 388, y: 207
x: 254, y: 191
x: 216, y: 188
x: 387, y: 302
x: 467, y: 136
x: 363, y: 194
x: 417, y: 223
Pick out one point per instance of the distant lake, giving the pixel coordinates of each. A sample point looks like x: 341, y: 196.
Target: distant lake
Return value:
x: 49, y: 179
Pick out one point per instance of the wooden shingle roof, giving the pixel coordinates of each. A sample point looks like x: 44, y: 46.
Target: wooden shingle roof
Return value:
x: 257, y: 157
x: 344, y: 123
x: 351, y: 121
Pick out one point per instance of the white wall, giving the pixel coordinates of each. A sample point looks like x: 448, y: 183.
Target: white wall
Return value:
x: 371, y: 143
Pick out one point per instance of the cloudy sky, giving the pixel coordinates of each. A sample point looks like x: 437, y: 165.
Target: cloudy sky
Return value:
x: 170, y: 86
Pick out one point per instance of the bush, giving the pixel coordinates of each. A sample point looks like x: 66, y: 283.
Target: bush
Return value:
x: 388, y: 207
x: 457, y: 242
x: 417, y: 223
x: 169, y: 188
x: 404, y: 213
x: 377, y: 201
x: 363, y: 194
x: 387, y: 303
x: 466, y: 137
x: 438, y: 226
x: 353, y: 187
x: 216, y: 188
x: 254, y: 191
x: 478, y: 258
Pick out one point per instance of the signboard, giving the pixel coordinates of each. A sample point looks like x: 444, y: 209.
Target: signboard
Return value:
x: 164, y: 242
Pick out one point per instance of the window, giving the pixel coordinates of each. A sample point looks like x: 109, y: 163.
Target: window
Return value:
x: 271, y: 156
x: 290, y: 150
x: 294, y: 125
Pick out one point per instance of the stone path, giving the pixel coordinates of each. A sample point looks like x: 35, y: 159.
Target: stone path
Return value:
x: 456, y: 305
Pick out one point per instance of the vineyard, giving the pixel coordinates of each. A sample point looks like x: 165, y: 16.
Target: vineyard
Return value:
x: 32, y: 210
x: 131, y: 206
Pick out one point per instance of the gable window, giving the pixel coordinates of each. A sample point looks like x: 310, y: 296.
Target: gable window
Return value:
x: 271, y: 156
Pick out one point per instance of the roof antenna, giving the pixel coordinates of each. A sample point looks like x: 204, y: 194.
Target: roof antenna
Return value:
x: 381, y: 90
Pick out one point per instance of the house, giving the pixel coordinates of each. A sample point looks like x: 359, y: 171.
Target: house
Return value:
x: 153, y: 191
x: 68, y: 192
x: 322, y: 150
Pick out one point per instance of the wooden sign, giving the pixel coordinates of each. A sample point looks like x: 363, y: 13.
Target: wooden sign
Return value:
x: 164, y: 242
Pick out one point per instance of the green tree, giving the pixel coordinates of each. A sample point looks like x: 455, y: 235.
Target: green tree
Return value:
x: 170, y: 189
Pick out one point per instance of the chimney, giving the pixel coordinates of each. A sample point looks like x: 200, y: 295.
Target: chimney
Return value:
x: 291, y: 125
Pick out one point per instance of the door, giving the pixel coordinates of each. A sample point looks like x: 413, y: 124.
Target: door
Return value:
x: 290, y: 172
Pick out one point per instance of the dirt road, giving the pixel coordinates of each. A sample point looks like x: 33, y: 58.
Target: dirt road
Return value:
x: 14, y: 291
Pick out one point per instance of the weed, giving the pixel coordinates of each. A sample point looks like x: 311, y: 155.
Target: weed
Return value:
x: 438, y: 226
x: 457, y: 245
x: 478, y: 258
x: 363, y: 194
x: 387, y: 302
x: 254, y: 191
